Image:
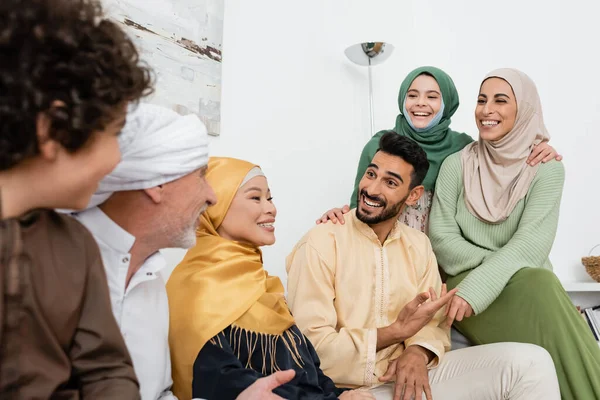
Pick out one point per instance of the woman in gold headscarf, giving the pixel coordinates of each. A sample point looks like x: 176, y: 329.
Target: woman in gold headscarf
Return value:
x: 493, y: 222
x: 230, y: 324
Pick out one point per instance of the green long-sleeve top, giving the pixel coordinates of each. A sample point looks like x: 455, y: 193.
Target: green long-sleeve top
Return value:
x: 493, y: 252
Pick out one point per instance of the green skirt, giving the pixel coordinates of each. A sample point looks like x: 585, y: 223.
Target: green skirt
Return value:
x: 534, y: 308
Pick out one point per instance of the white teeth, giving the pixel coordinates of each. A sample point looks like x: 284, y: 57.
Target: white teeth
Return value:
x: 269, y: 225
x: 421, y: 114
x: 372, y: 204
x: 489, y: 123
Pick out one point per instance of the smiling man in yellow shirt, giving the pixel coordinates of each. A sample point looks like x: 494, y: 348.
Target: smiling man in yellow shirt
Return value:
x: 365, y: 294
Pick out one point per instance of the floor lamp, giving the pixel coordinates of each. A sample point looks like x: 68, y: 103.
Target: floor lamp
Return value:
x: 369, y: 54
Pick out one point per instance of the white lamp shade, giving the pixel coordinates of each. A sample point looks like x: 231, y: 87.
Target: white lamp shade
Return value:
x: 361, y: 53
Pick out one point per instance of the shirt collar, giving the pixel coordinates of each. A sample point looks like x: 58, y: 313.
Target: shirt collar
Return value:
x: 106, y: 230
x: 154, y: 263
x: 112, y: 235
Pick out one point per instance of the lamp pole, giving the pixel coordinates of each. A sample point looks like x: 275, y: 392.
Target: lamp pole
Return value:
x: 369, y: 54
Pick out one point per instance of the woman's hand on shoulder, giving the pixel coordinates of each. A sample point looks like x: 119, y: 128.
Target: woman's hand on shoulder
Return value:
x: 334, y: 215
x: 543, y: 152
x: 359, y: 394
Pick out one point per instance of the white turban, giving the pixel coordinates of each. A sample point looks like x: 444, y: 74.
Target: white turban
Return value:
x: 157, y: 146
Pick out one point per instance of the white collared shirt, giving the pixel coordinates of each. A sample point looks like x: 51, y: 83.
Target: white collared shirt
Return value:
x: 141, y: 310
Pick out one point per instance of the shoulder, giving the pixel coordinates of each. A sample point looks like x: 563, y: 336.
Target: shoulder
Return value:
x: 553, y: 169
x: 376, y: 137
x: 453, y: 160
x: 323, y: 236
x: 548, y: 182
x: 323, y: 239
x: 416, y: 240
x: 61, y: 242
x: 66, y: 228
x: 452, y: 165
x: 461, y: 138
x: 419, y: 249
x: 373, y: 143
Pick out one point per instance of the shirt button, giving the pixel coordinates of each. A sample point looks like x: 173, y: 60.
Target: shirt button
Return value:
x: 148, y: 273
x: 125, y: 259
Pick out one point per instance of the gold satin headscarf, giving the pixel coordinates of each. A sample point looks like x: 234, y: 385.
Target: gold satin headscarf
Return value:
x: 496, y: 174
x: 221, y: 283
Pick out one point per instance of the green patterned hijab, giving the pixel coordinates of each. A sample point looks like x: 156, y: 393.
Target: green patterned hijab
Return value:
x: 439, y: 141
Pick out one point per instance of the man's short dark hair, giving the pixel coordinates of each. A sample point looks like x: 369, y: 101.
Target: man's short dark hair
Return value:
x: 65, y: 51
x: 400, y: 146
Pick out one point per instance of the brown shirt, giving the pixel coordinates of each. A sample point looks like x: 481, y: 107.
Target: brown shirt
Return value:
x: 58, y: 336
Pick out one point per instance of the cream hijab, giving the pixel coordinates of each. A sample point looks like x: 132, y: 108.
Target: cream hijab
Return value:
x: 495, y: 173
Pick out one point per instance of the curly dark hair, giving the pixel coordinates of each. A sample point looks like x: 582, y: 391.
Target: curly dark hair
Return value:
x: 65, y: 51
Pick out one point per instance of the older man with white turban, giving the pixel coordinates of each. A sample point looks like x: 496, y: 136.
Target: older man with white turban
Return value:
x: 152, y: 200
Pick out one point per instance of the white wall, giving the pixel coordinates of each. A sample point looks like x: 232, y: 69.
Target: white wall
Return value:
x: 294, y: 104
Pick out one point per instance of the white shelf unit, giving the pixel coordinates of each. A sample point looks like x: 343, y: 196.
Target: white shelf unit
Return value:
x: 580, y: 287
x: 586, y: 293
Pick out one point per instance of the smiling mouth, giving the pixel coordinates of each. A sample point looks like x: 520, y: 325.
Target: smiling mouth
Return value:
x: 490, y: 123
x: 267, y: 226
x: 370, y: 203
x: 421, y: 114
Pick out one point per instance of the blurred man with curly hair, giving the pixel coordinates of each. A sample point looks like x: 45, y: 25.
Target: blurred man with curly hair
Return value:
x: 67, y: 76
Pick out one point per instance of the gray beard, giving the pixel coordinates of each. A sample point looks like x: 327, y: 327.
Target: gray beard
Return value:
x: 185, y: 239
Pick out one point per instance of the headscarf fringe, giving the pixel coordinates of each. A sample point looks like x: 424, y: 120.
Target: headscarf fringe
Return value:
x: 242, y: 340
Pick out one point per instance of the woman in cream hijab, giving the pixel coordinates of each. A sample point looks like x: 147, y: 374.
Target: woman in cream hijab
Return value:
x: 230, y: 323
x: 492, y: 226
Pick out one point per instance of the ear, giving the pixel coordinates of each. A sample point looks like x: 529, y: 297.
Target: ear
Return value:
x: 49, y: 148
x: 155, y: 194
x: 414, y: 195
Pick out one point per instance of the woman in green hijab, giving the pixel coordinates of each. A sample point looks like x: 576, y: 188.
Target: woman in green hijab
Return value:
x: 428, y: 99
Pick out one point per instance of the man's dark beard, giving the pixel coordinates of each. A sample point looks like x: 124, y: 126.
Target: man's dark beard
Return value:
x: 387, y: 213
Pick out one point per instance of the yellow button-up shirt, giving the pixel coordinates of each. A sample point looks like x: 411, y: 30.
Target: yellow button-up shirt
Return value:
x: 343, y: 284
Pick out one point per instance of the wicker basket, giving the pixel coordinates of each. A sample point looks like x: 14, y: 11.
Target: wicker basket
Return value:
x: 592, y: 265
